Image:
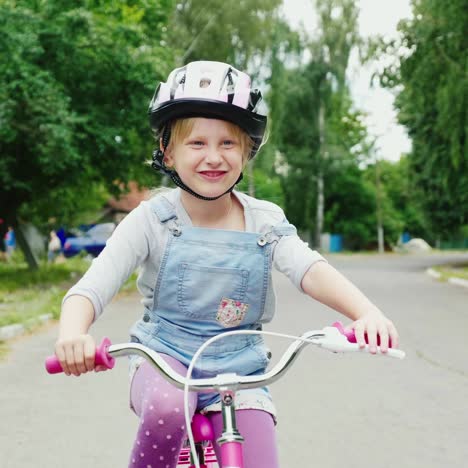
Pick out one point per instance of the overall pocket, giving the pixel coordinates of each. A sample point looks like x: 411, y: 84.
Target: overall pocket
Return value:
x: 202, y: 288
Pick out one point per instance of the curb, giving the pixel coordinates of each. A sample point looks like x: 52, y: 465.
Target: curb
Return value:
x: 453, y: 280
x: 16, y: 329
x: 459, y: 282
x: 434, y: 274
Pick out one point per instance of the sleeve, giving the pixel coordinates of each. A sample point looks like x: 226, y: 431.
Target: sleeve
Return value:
x: 126, y: 249
x: 293, y: 257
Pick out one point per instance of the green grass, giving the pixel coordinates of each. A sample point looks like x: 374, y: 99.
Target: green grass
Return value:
x: 453, y: 271
x: 17, y: 276
x: 3, y: 350
x: 25, y: 295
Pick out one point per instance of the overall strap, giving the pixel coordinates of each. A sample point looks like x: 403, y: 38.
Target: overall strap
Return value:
x: 275, y: 233
x: 284, y: 229
x: 165, y: 212
x: 163, y: 209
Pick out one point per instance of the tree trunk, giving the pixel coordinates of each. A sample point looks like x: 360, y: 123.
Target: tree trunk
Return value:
x: 378, y: 193
x: 319, y: 215
x: 22, y: 242
x: 320, y: 183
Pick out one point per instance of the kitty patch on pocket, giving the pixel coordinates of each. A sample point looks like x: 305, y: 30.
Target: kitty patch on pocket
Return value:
x: 231, y: 312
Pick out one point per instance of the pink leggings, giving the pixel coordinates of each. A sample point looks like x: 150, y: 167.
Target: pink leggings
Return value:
x: 161, y: 432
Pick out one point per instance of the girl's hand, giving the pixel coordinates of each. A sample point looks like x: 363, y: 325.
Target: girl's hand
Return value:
x: 76, y: 354
x: 374, y: 324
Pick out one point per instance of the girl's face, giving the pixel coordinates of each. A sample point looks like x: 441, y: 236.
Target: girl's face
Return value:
x: 208, y: 159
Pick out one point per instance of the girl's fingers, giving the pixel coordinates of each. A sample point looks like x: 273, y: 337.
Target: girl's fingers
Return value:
x: 359, y: 333
x: 78, y: 353
x: 383, y: 335
x: 375, y: 328
x: 392, y: 331
x: 89, y: 354
x: 372, y: 338
x: 60, y: 353
x: 70, y: 360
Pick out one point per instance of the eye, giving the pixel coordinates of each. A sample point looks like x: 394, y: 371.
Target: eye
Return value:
x: 196, y: 143
x: 229, y: 143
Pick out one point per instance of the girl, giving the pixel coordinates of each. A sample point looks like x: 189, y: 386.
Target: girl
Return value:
x: 206, y: 253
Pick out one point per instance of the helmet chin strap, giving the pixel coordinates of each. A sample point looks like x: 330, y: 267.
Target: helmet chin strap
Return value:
x: 158, y: 165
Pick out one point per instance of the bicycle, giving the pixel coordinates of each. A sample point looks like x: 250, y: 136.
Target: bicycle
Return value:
x: 201, y: 436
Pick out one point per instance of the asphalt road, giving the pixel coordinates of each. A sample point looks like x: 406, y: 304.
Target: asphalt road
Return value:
x: 334, y: 410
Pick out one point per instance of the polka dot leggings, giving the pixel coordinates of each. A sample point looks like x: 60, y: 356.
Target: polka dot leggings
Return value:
x: 161, y: 433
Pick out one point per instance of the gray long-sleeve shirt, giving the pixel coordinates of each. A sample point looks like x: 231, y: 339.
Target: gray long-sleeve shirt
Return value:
x: 140, y: 239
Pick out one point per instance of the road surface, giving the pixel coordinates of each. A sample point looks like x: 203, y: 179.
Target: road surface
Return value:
x: 333, y: 410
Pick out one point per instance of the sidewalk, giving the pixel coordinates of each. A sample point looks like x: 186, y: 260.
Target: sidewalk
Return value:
x: 16, y: 329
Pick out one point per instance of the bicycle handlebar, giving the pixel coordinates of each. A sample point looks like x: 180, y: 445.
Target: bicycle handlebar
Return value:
x: 334, y: 338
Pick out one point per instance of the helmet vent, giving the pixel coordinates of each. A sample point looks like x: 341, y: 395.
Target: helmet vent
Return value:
x: 205, y: 82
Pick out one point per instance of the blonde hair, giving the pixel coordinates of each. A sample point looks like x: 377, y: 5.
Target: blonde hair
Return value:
x: 182, y: 128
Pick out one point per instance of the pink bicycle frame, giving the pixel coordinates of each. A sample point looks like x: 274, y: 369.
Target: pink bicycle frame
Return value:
x: 231, y: 454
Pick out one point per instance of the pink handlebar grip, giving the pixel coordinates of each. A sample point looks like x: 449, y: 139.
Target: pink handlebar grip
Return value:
x: 102, y: 358
x: 350, y: 336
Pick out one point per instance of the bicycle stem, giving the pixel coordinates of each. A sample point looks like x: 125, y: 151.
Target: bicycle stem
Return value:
x: 231, y: 439
x: 230, y: 432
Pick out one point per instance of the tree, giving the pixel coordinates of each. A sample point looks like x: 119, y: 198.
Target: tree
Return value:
x: 431, y: 78
x: 201, y: 30
x: 403, y: 195
x: 73, y: 97
x: 320, y: 132
x: 350, y: 208
x: 338, y: 25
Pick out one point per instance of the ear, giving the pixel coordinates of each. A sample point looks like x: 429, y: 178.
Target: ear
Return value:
x: 168, y: 158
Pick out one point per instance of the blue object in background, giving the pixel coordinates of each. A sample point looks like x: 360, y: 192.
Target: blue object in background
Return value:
x: 405, y: 237
x: 93, y: 240
x: 336, y: 243
x: 62, y: 235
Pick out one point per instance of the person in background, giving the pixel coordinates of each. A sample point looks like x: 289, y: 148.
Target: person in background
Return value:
x: 2, y: 244
x: 10, y: 243
x: 54, y: 247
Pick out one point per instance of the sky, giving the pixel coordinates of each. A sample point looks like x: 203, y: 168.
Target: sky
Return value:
x: 376, y: 17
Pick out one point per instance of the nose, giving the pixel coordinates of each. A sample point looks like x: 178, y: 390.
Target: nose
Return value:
x: 213, y: 156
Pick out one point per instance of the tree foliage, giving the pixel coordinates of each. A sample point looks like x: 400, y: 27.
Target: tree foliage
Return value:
x: 76, y: 78
x: 431, y: 77
x: 402, y: 196
x: 308, y: 150
x: 245, y: 37
x: 206, y: 30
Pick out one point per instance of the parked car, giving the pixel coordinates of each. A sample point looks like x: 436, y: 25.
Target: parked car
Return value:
x: 92, y: 241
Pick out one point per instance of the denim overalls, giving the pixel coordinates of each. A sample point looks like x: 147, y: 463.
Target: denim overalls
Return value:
x: 210, y: 281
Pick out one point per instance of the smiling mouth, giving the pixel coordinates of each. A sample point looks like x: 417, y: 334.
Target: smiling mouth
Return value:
x: 212, y: 174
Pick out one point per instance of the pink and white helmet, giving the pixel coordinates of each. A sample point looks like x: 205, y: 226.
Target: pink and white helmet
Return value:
x: 213, y: 90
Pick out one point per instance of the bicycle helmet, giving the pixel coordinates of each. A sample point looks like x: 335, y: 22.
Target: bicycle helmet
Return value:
x: 213, y: 90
